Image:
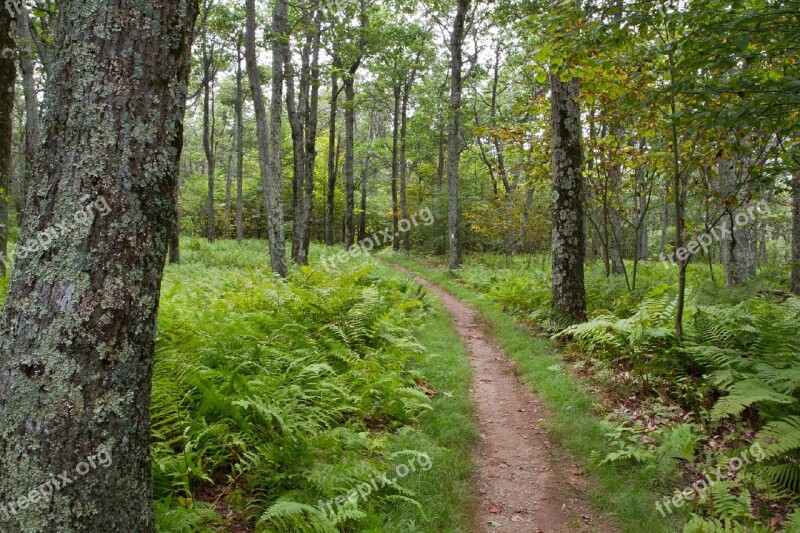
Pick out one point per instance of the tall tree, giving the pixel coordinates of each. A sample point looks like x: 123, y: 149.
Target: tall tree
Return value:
x: 238, y: 105
x: 209, y: 118
x: 268, y: 145
x: 348, y: 82
x: 454, y: 136
x: 795, y: 284
x: 303, y: 123
x: 330, y: 191
x: 77, y: 334
x: 8, y: 80
x: 27, y: 67
x: 569, y: 294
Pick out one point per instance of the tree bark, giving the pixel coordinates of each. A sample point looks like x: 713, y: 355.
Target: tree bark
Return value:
x: 454, y: 137
x: 77, y: 334
x: 569, y: 295
x: 8, y: 80
x: 269, y: 144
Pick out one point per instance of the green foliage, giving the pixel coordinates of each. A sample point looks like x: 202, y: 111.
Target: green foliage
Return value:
x: 287, y: 392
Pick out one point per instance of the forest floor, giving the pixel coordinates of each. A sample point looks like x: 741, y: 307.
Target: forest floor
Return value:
x: 526, y: 483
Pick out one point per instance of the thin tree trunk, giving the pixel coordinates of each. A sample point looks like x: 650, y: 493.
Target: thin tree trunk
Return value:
x: 350, y: 130
x: 330, y: 192
x: 8, y: 80
x: 269, y: 144
x: 795, y: 284
x: 441, y: 239
x: 569, y: 295
x: 454, y: 137
x: 295, y: 112
x: 208, y: 131
x: 395, y: 169
x: 27, y: 66
x: 77, y: 334
x: 238, y: 104
x: 311, y: 119
x: 403, y: 162
x: 349, y: 155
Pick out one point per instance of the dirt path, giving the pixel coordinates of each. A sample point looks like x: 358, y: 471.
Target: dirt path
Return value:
x: 523, y: 485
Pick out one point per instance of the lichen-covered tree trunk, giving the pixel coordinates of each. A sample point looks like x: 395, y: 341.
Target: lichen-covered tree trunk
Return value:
x: 569, y: 295
x: 8, y: 79
x: 739, y: 242
x: 796, y: 233
x: 273, y: 203
x: 78, y: 330
x: 454, y: 137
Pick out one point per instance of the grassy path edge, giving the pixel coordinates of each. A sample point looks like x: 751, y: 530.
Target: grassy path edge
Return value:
x: 625, y: 493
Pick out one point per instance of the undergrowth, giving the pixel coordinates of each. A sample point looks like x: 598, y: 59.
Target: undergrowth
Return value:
x: 680, y: 407
x: 272, y: 398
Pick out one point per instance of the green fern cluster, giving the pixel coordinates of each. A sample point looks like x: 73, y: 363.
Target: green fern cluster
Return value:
x: 279, y: 394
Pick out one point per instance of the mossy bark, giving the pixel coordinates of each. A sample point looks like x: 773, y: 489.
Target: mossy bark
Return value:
x: 78, y: 331
x: 569, y: 295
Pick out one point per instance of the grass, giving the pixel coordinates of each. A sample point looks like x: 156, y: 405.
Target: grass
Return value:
x: 624, y: 493
x: 447, y: 488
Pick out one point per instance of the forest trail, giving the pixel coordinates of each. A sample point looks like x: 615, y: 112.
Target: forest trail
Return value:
x: 524, y: 482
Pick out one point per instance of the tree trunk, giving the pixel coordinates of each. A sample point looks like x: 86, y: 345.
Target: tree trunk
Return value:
x: 796, y: 233
x: 8, y: 80
x: 269, y: 144
x: 349, y: 155
x: 295, y: 112
x: 740, y: 240
x: 77, y: 333
x: 403, y: 163
x: 569, y: 295
x: 27, y: 66
x: 174, y: 235
x: 209, y: 126
x: 311, y: 118
x: 441, y: 237
x: 454, y: 137
x: 330, y: 192
x: 238, y: 104
x: 395, y: 157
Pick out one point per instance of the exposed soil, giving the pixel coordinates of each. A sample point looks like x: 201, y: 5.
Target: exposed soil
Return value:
x: 525, y: 483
